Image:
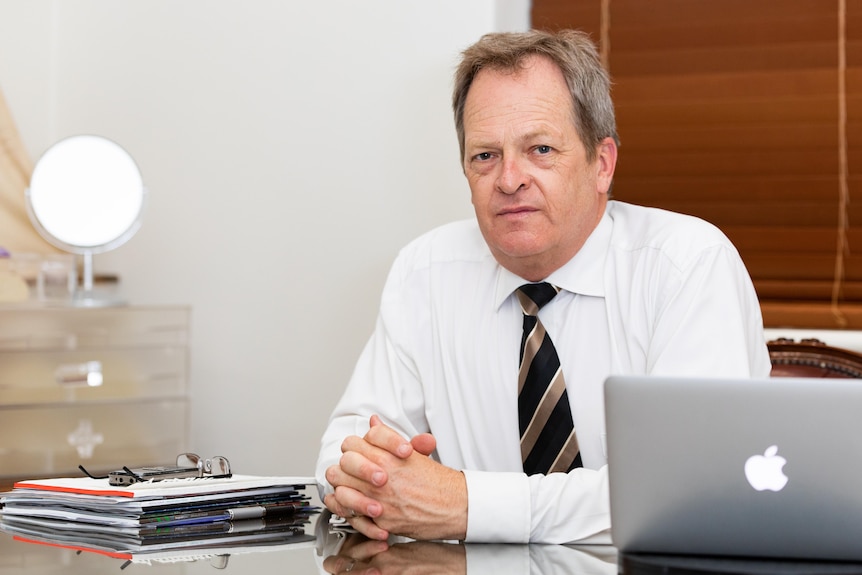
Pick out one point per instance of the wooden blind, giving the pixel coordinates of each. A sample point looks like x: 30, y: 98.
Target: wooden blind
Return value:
x: 749, y: 115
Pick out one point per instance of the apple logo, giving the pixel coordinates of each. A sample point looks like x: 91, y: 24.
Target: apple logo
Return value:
x: 764, y: 471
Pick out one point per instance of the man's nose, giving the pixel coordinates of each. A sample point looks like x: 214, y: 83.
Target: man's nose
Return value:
x: 513, y: 176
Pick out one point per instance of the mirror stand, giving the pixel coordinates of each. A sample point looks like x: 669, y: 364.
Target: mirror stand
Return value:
x: 86, y: 196
x: 86, y: 295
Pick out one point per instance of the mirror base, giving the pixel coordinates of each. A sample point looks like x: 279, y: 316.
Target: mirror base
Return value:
x: 96, y: 298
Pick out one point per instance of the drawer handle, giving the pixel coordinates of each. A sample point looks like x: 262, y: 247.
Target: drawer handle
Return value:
x: 86, y: 374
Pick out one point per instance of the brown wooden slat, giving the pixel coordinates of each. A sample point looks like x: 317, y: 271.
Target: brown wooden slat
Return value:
x: 790, y: 109
x: 854, y: 158
x: 783, y: 290
x: 853, y: 77
x: 724, y: 163
x: 854, y: 131
x: 772, y: 290
x: 706, y: 33
x: 854, y: 48
x: 800, y: 266
x: 772, y: 85
x: 737, y: 60
x: 789, y: 240
x: 761, y: 189
x: 810, y: 315
x: 756, y: 136
x: 854, y: 101
x: 815, y: 215
x: 786, y: 239
x: 658, y: 13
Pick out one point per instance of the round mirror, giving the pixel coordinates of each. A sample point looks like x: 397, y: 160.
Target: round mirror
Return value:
x: 86, y: 196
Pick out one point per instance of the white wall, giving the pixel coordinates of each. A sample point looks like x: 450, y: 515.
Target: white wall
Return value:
x: 290, y: 149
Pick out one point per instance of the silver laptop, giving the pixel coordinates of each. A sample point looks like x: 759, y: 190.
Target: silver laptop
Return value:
x: 736, y: 467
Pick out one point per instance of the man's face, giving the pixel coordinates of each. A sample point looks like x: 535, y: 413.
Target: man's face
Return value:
x: 536, y: 197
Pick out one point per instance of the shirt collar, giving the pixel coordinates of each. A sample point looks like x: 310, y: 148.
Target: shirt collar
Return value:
x: 583, y: 274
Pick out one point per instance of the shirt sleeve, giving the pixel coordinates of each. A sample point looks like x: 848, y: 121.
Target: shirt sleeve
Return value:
x: 382, y: 384
x: 557, y: 508
x: 385, y: 382
x: 709, y: 321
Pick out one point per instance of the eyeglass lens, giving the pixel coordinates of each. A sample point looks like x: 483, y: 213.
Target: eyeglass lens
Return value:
x: 217, y: 466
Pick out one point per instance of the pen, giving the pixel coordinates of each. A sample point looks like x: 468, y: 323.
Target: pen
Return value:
x: 230, y: 514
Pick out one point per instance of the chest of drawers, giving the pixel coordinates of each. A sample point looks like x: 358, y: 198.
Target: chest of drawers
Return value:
x: 98, y: 387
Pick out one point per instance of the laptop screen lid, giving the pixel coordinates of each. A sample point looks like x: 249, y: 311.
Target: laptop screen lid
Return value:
x: 766, y: 467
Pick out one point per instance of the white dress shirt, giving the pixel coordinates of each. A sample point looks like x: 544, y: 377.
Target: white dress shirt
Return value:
x: 651, y: 292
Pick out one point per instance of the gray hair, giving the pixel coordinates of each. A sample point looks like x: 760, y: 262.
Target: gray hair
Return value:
x: 572, y: 51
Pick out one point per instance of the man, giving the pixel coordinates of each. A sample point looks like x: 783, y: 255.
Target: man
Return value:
x: 426, y: 440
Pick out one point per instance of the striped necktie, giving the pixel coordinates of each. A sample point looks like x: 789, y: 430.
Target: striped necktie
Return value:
x: 548, y: 440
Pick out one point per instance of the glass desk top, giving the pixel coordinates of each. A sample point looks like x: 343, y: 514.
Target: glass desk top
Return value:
x: 340, y: 554
x: 19, y: 555
x: 325, y: 550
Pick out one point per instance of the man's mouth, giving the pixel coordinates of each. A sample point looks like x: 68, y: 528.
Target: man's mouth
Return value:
x: 516, y: 211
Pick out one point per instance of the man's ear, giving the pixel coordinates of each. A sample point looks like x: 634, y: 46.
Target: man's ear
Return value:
x: 606, y: 162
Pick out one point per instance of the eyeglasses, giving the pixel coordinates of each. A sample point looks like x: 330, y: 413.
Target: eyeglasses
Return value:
x: 215, y: 467
x: 188, y: 465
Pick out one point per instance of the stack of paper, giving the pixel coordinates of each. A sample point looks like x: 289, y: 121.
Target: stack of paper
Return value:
x: 152, y: 517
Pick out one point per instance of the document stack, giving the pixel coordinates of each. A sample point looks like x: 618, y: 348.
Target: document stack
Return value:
x: 155, y: 517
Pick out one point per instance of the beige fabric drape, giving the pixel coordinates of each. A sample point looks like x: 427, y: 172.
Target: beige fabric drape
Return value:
x: 17, y: 234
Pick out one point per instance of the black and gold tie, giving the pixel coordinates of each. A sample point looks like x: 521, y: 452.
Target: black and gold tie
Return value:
x: 548, y: 440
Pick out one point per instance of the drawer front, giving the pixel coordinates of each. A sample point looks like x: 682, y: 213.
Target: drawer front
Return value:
x: 52, y: 376
x: 54, y: 440
x: 75, y: 328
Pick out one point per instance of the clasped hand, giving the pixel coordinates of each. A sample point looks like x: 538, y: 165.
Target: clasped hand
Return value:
x: 360, y: 556
x: 386, y: 485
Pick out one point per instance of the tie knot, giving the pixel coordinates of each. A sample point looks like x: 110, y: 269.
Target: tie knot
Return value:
x: 533, y: 297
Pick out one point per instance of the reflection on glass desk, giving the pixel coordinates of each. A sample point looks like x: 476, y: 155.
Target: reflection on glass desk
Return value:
x: 21, y: 555
x: 328, y: 550
x: 324, y: 551
x: 637, y: 564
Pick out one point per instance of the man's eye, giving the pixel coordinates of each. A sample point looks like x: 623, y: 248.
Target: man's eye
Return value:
x: 483, y: 157
x: 543, y: 149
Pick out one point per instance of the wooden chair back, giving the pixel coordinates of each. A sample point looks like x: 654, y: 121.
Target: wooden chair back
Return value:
x: 812, y: 358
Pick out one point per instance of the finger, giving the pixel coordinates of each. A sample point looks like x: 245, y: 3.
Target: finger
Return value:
x: 334, y: 475
x: 424, y: 443
x: 349, y: 512
x: 360, y: 467
x: 339, y: 564
x: 333, y: 564
x: 366, y: 550
x: 355, y: 503
x: 332, y: 504
x: 337, y: 476
x: 354, y: 470
x: 351, y: 442
x: 369, y: 528
x: 384, y: 437
x: 338, y: 508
